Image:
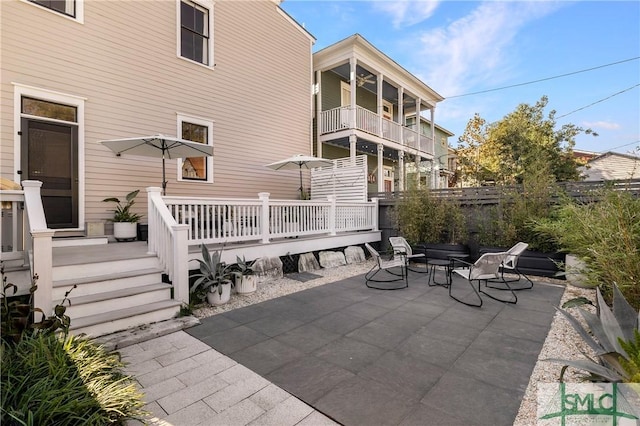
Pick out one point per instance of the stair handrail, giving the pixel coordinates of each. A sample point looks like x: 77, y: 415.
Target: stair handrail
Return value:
x: 168, y: 240
x: 39, y: 240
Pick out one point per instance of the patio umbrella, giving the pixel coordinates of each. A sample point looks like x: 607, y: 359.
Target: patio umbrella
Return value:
x: 299, y: 162
x: 159, y: 146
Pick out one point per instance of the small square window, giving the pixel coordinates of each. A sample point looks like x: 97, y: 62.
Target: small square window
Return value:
x: 199, y: 169
x: 194, y: 32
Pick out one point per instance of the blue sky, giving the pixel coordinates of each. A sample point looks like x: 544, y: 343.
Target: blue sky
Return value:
x: 461, y: 47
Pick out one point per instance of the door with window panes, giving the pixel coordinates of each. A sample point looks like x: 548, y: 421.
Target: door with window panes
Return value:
x: 49, y: 153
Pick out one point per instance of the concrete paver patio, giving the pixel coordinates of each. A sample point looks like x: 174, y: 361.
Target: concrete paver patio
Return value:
x: 355, y: 355
x: 405, y: 357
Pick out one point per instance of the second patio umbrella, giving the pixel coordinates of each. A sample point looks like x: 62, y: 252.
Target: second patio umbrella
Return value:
x: 299, y: 162
x: 159, y: 146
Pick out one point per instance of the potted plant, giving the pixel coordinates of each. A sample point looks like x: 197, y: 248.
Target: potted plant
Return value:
x: 213, y: 281
x: 124, y: 220
x: 245, y: 279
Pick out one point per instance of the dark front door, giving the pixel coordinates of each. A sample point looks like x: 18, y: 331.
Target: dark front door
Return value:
x: 50, y: 155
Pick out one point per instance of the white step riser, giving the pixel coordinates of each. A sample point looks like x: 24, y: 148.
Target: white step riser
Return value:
x: 125, y: 323
x: 103, y: 306
x: 85, y: 289
x: 69, y: 272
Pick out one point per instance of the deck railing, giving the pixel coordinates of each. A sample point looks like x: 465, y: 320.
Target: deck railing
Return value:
x: 12, y: 226
x: 218, y: 221
x: 337, y: 119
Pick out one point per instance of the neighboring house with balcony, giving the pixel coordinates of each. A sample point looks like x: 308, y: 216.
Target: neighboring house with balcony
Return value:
x: 234, y: 75
x: 366, y: 103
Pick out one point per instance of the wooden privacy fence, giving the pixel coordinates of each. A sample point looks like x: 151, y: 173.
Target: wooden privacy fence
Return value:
x: 582, y: 191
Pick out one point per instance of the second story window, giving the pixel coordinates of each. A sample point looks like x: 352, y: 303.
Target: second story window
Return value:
x: 66, y: 7
x: 194, y: 32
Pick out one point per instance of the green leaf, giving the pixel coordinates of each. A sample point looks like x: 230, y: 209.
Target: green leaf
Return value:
x: 626, y: 316
x: 610, y: 324
x: 578, y: 301
x: 590, y: 367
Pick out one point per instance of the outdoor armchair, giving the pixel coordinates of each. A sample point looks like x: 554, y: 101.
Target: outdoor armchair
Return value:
x: 510, y: 265
x: 402, y: 247
x: 389, y: 267
x: 486, y: 268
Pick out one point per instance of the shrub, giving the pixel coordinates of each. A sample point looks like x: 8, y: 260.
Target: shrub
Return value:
x: 605, y: 235
x: 423, y: 218
x: 47, y: 380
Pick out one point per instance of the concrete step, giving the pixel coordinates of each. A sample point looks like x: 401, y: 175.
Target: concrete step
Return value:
x: 123, y: 319
x: 79, y: 241
x: 107, y: 282
x: 109, y: 301
x: 97, y: 269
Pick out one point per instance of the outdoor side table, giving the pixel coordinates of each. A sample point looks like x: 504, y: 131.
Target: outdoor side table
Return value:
x: 448, y: 264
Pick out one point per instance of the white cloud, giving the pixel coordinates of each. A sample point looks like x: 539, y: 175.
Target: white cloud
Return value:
x: 602, y: 125
x: 407, y: 12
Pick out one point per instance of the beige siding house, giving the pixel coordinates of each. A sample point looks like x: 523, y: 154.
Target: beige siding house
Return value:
x: 236, y: 75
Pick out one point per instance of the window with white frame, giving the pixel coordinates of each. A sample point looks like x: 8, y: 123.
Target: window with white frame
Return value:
x: 199, y: 169
x: 195, y: 29
x: 70, y: 8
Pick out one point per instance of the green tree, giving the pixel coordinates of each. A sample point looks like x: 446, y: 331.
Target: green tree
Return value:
x: 503, y: 151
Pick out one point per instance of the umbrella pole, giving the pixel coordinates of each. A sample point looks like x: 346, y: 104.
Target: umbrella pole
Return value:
x: 301, y: 190
x: 164, y: 181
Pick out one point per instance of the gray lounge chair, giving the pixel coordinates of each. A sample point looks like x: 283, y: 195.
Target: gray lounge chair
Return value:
x: 390, y: 267
x: 486, y: 268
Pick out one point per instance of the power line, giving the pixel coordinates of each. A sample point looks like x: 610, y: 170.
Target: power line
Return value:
x: 622, y: 146
x: 598, y: 101
x: 544, y: 79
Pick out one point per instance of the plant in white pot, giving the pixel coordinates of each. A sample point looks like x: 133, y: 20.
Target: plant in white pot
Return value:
x: 244, y: 277
x: 125, y: 222
x: 213, y: 281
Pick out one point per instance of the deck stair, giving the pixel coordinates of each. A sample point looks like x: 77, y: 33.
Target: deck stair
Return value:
x: 119, y: 286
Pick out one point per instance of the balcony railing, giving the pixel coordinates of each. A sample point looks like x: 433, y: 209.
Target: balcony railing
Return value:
x: 338, y: 119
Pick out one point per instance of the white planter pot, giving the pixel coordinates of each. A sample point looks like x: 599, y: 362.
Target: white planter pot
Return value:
x: 215, y: 298
x: 125, y: 231
x: 247, y: 284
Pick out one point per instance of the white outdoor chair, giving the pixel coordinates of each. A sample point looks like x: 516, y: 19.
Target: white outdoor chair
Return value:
x: 511, y: 264
x: 389, y: 266
x: 401, y: 246
x: 486, y: 268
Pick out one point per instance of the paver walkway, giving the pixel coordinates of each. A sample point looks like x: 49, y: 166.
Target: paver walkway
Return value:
x: 370, y: 357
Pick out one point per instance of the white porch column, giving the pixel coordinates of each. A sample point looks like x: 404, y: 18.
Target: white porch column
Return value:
x: 318, y: 93
x: 380, y: 168
x: 352, y: 147
x: 401, y: 112
x: 353, y: 88
x: 401, y: 171
x: 379, y: 104
x: 433, y: 130
x: 264, y: 218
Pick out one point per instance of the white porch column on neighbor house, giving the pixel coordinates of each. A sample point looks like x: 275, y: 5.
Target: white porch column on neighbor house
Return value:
x: 433, y: 130
x: 352, y: 147
x: 380, y: 168
x: 318, y: 92
x: 353, y: 88
x: 379, y: 104
x: 401, y: 171
x: 401, y: 109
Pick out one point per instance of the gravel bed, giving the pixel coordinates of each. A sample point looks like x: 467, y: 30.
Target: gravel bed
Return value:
x: 561, y: 342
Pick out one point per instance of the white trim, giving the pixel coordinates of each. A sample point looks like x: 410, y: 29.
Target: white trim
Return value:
x: 79, y: 18
x: 201, y: 122
x: 21, y: 90
x: 207, y: 4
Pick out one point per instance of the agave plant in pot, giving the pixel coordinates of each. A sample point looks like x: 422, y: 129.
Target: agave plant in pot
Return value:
x: 244, y: 277
x: 124, y: 220
x: 213, y: 280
